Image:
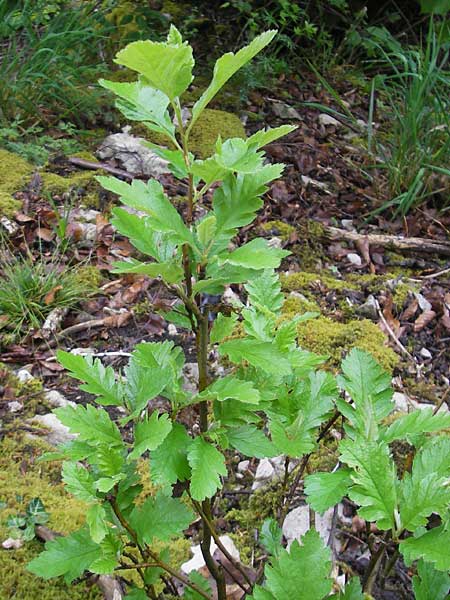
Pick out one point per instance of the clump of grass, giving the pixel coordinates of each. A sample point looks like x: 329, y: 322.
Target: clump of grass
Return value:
x: 415, y: 152
x: 31, y: 289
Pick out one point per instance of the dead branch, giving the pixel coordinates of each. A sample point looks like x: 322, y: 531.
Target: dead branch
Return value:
x: 90, y: 164
x: 391, y: 242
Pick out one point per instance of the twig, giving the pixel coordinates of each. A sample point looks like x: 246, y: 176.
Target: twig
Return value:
x: 392, y: 334
x: 441, y: 401
x: 90, y: 164
x: 438, y: 274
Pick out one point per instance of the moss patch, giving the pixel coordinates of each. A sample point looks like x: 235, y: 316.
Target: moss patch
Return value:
x: 304, y: 281
x: 21, y: 479
x: 327, y: 337
x: 209, y: 126
x: 278, y: 228
x: 14, y: 174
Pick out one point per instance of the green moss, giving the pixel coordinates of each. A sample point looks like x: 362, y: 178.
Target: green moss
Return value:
x: 58, y: 185
x: 278, y: 228
x: 89, y: 277
x: 327, y: 337
x: 209, y: 126
x: 21, y: 479
x: 298, y: 304
x: 14, y: 174
x: 304, y: 281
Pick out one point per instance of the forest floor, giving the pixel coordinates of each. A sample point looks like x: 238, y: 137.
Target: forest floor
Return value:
x: 369, y: 290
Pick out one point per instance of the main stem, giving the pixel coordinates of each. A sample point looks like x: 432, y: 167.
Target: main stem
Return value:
x: 202, y: 339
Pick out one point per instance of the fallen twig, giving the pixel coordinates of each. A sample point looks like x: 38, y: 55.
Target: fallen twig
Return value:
x: 408, y: 244
x: 90, y: 164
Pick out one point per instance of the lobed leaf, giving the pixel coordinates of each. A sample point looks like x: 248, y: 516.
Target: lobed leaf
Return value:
x: 207, y: 465
x: 325, y: 490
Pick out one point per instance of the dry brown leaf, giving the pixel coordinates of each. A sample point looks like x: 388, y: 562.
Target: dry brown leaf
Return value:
x: 423, y: 320
x: 45, y: 234
x: 50, y: 296
x: 410, y: 310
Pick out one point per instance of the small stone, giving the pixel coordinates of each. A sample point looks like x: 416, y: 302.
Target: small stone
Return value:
x: 369, y: 309
x: 190, y: 373
x: 402, y: 402
x: 172, y: 330
x: 355, y: 259
x: 15, y: 406
x: 12, y: 544
x: 87, y: 215
x: 243, y: 466
x: 425, y: 353
x: 56, y: 399
x: 23, y: 375
x: 317, y: 184
x: 58, y: 433
x: 328, y: 120
x: 275, y: 242
x: 347, y: 224
x: 285, y: 111
x: 424, y: 305
x: 197, y: 561
x: 297, y: 524
x: 264, y: 473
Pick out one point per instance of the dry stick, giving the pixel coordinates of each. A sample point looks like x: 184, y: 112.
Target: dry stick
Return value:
x: 411, y: 244
x: 441, y: 401
x: 392, y: 334
x: 437, y: 274
x: 374, y: 565
x: 90, y: 164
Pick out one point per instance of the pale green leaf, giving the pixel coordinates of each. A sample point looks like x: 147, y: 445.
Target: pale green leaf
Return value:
x: 302, y: 573
x: 207, y: 465
x: 99, y: 380
x: 222, y: 327
x: 267, y: 136
x: 325, y: 490
x: 96, y: 521
x: 168, y: 463
x: 160, y: 517
x: 251, y: 441
x: 140, y: 102
x: 370, y: 389
x: 110, y: 547
x: 166, y: 66
x: 79, y: 481
x: 265, y: 290
x: 263, y: 355
x: 374, y: 480
x: 256, y: 254
x: 171, y: 272
x: 69, y: 556
x: 235, y: 155
x: 226, y: 66
x: 352, y: 591
x: 432, y: 546
x: 92, y: 424
x: 430, y: 584
x: 150, y: 433
x: 271, y: 536
x: 232, y: 388
x: 416, y: 422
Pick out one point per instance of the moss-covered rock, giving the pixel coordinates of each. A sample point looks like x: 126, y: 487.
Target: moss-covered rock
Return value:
x: 15, y: 172
x: 278, y: 228
x: 304, y: 281
x: 209, y: 126
x: 327, y: 337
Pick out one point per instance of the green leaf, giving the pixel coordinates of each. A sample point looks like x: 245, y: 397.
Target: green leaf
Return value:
x: 222, y: 327
x: 36, y: 511
x: 201, y: 582
x: 251, y: 441
x: 231, y: 388
x: 207, y: 465
x: 168, y: 463
x: 161, y: 518
x: 166, y: 66
x: 370, y: 389
x: 95, y: 519
x: 136, y: 594
x: 265, y: 290
x: 171, y: 272
x: 430, y: 584
x: 263, y: 355
x: 93, y: 424
x: 140, y: 102
x: 374, y: 480
x: 69, y: 556
x: 267, y: 136
x: 145, y: 379
x: 437, y: 7
x: 271, y: 536
x: 432, y: 546
x: 226, y: 66
x: 110, y: 548
x: 352, y: 591
x: 302, y: 573
x: 99, y: 380
x: 150, y: 433
x: 256, y: 254
x: 235, y: 155
x: 414, y: 423
x: 79, y: 481
x: 325, y: 490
